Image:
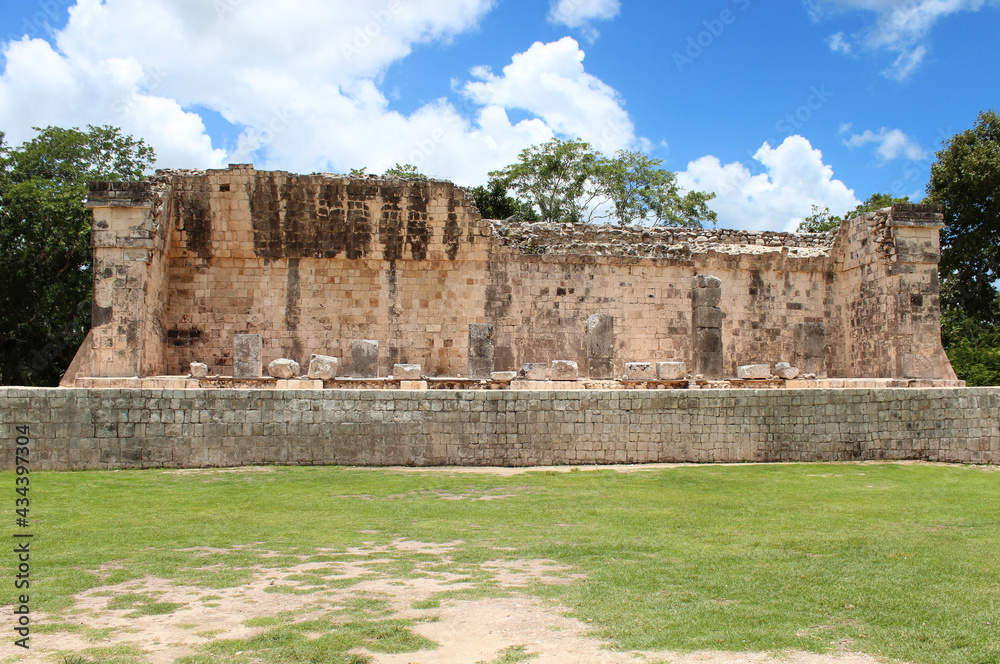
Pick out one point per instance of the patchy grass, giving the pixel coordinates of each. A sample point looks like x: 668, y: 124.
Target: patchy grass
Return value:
x: 143, y: 605
x: 511, y: 655
x: 899, y: 560
x: 117, y: 655
x: 292, y: 644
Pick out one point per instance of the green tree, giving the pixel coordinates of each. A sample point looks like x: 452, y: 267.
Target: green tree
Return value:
x: 966, y: 180
x: 639, y: 189
x: 404, y: 172
x: 973, y: 346
x: 45, y: 256
x: 821, y: 220
x: 554, y: 178
x: 494, y: 202
x: 568, y: 182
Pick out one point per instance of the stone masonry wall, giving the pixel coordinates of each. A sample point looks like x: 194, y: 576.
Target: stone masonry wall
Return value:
x: 190, y: 259
x: 112, y: 428
x: 890, y: 300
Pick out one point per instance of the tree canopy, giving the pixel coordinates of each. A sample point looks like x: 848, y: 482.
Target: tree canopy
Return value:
x: 405, y: 172
x: 45, y: 256
x: 494, y: 202
x: 821, y: 220
x: 567, y: 181
x: 966, y: 180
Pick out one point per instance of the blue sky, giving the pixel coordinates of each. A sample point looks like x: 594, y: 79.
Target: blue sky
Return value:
x: 773, y: 106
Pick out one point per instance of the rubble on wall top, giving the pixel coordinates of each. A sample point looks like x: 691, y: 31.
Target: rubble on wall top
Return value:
x: 166, y: 173
x: 642, y: 242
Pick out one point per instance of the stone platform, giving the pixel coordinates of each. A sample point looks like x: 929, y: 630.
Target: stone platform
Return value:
x: 76, y: 429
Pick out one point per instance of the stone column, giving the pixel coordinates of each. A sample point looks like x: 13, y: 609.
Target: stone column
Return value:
x: 482, y: 352
x: 247, y: 352
x: 601, y: 347
x: 810, y: 339
x: 706, y: 321
x: 122, y: 238
x: 364, y: 358
x: 915, y: 230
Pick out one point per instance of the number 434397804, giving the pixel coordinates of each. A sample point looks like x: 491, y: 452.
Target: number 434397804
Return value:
x: 21, y: 459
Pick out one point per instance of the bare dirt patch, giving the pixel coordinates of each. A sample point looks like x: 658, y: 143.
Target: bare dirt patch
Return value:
x: 641, y: 468
x: 479, y: 629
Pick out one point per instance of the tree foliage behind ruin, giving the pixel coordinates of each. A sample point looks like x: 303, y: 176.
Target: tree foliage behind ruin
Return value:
x: 821, y: 220
x: 567, y: 181
x: 965, y: 179
x: 46, y: 278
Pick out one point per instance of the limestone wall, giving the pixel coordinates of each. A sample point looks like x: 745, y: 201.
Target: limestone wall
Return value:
x: 188, y: 260
x: 120, y: 428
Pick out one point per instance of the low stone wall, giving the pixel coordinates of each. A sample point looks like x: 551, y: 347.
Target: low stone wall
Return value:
x: 74, y: 429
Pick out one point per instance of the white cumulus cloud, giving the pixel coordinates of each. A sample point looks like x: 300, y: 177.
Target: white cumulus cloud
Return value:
x: 889, y: 144
x: 302, y: 95
x: 579, y: 14
x: 794, y: 179
x: 549, y: 81
x: 900, y: 27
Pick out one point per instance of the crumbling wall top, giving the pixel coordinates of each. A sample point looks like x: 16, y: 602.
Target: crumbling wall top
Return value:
x: 644, y: 242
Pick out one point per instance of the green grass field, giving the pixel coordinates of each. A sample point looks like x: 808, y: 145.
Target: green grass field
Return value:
x: 900, y: 561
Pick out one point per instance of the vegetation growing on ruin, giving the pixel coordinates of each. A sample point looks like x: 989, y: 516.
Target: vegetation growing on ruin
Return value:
x: 898, y: 561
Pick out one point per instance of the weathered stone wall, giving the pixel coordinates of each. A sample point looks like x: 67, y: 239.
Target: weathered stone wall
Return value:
x: 310, y: 263
x: 889, y: 295
x: 112, y: 428
x: 130, y: 239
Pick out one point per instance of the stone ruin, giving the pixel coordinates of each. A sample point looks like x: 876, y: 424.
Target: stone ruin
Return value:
x: 213, y: 276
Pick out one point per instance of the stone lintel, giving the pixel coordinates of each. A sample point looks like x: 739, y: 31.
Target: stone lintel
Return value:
x: 908, y: 214
x: 119, y: 194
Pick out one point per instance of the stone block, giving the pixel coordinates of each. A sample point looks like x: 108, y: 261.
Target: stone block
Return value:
x: 247, y: 356
x: 364, y: 358
x: 709, y: 365
x: 482, y: 351
x: 199, y: 370
x: 753, y: 371
x: 786, y: 371
x: 565, y: 370
x: 706, y: 297
x: 671, y: 370
x: 413, y: 384
x: 407, y: 371
x: 323, y: 367
x: 810, y: 339
x: 535, y: 371
x: 640, y: 371
x: 708, y: 340
x: 705, y: 281
x: 503, y: 376
x: 920, y: 366
x: 298, y: 384
x: 284, y: 369
x: 708, y: 317
x: 601, y: 346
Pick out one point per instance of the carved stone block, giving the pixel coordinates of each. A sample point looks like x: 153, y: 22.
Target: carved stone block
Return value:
x: 364, y: 358
x: 482, y: 352
x: 247, y: 356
